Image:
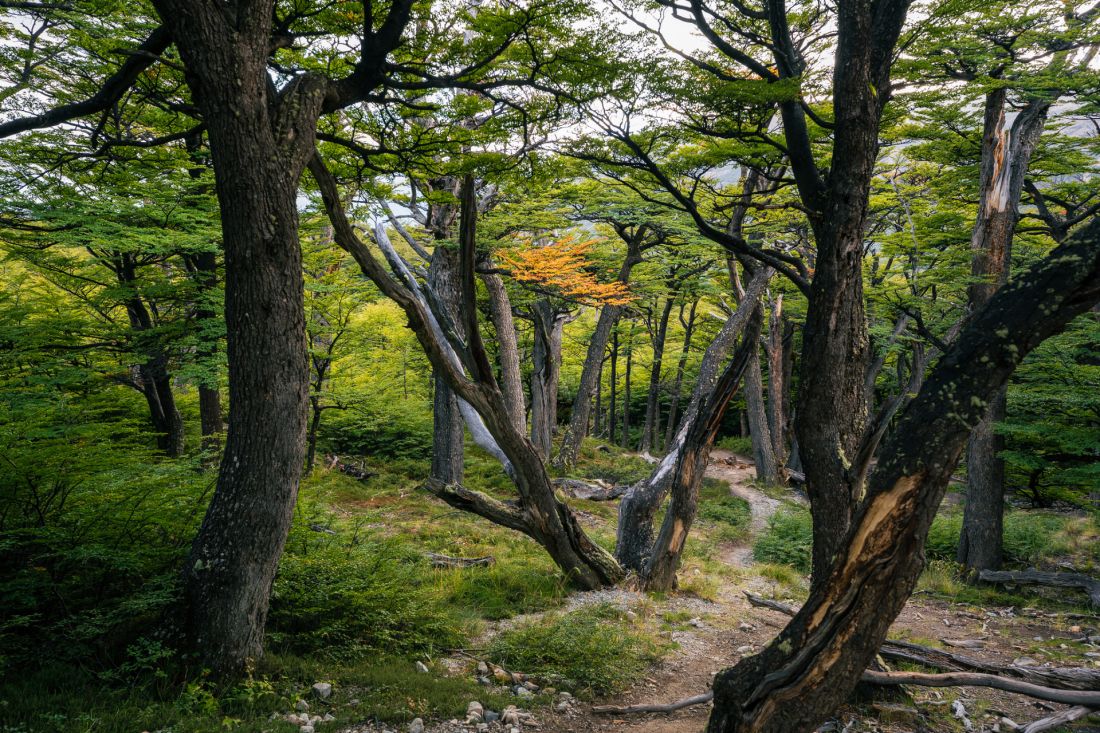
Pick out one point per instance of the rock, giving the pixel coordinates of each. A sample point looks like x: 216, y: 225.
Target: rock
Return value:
x: 484, y: 681
x: 314, y: 719
x: 305, y: 729
x: 1024, y: 662
x: 422, y: 668
x: 475, y: 713
x: 696, y: 622
x: 329, y: 717
x: 510, y: 716
x: 565, y: 695
x: 902, y: 714
x: 522, y: 691
x: 482, y: 727
x: 353, y: 701
x: 491, y: 716
x: 631, y: 616
x: 562, y: 706
x: 417, y: 725
x: 501, y: 676
x: 301, y: 706
x: 744, y: 649
x: 323, y: 690
x: 482, y: 669
x: 531, y: 686
x: 746, y: 627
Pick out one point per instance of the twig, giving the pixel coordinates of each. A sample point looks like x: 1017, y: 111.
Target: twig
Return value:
x: 653, y: 708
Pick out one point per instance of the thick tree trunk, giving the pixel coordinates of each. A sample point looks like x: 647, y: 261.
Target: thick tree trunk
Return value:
x: 259, y: 146
x: 1006, y: 156
x: 448, y: 433
x: 816, y: 661
x: 681, y: 365
x: 634, y: 541
x: 652, y: 426
x: 577, y: 429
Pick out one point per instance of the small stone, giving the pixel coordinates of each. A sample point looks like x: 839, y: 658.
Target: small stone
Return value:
x: 631, y: 616
x: 482, y: 727
x: 482, y: 668
x: 484, y: 681
x: 562, y: 706
x: 564, y: 695
x: 475, y: 713
x: 1025, y: 662
x: 416, y: 726
x: 501, y: 675
x: 510, y: 716
x: 746, y: 627
x: 323, y: 690
x: 744, y: 649
x: 697, y: 623
x: 1075, y: 629
x: 329, y: 717
x: 301, y: 706
x: 522, y: 691
x: 314, y: 719
x: 422, y: 668
x: 491, y: 716
x: 531, y: 686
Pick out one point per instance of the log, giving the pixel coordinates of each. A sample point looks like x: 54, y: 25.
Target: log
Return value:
x: 654, y: 707
x: 975, y: 679
x: 1091, y: 586
x: 1054, y: 721
x: 359, y: 473
x: 594, y: 491
x: 445, y: 561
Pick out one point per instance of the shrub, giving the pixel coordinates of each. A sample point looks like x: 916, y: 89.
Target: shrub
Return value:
x: 731, y: 515
x: 345, y: 602
x: 593, y: 649
x: 1029, y: 537
x: 788, y: 540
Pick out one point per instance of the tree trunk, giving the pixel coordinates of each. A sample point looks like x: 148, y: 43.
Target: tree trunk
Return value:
x: 763, y: 447
x: 259, y: 146
x: 546, y: 363
x: 500, y: 307
x: 1006, y: 156
x: 448, y: 433
x: 816, y: 661
x: 613, y: 402
x: 777, y: 385
x: 577, y: 429
x: 156, y: 382
x: 652, y: 426
x: 678, y: 380
x: 634, y: 541
x: 626, y: 387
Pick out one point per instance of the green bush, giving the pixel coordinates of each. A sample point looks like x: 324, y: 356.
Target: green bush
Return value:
x: 788, y: 540
x: 736, y: 444
x: 592, y: 650
x: 731, y: 515
x: 345, y: 602
x: 379, y: 429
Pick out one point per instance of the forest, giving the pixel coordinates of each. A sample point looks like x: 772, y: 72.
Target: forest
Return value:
x: 496, y: 366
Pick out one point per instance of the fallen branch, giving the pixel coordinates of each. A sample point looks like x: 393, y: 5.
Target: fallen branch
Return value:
x: 653, y: 708
x: 1066, y: 678
x: 974, y: 679
x: 446, y: 561
x: 595, y: 491
x: 1091, y: 586
x: 1066, y: 716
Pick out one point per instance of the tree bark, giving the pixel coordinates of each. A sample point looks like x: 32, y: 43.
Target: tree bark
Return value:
x: 652, y: 426
x: 819, y: 657
x: 1006, y: 156
x: 259, y: 145
x: 763, y: 446
x: 776, y: 352
x: 625, y: 442
x: 500, y: 307
x: 448, y: 433
x: 546, y: 362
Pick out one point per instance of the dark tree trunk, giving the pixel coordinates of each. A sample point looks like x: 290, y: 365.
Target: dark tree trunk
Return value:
x: 1006, y: 155
x: 448, y: 433
x: 577, y: 429
x: 763, y: 446
x: 816, y: 661
x: 210, y: 411
x: 204, y: 268
x: 625, y: 443
x: 613, y: 402
x: 259, y: 146
x: 652, y: 427
x: 777, y: 385
x: 681, y: 365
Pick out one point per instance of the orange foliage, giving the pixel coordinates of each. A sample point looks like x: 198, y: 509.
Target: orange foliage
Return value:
x: 562, y: 265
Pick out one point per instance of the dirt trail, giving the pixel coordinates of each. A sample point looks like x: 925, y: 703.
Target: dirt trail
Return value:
x: 738, y: 472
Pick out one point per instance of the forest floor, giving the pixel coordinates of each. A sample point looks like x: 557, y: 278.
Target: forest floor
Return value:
x: 714, y: 632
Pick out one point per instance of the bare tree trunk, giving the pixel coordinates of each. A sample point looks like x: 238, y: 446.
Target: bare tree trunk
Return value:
x: 626, y: 387
x: 546, y: 360
x: 777, y: 385
x: 448, y: 433
x: 763, y: 446
x: 500, y: 307
x: 652, y: 426
x: 681, y: 365
x: 613, y: 402
x: 1006, y: 156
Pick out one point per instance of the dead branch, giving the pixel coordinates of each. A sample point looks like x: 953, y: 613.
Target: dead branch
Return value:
x: 594, y: 491
x: 1091, y: 586
x: 975, y: 679
x: 1066, y: 716
x: 446, y: 561
x: 653, y: 708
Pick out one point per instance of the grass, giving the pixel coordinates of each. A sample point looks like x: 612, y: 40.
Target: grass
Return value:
x: 592, y: 651
x: 787, y: 540
x: 728, y: 516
